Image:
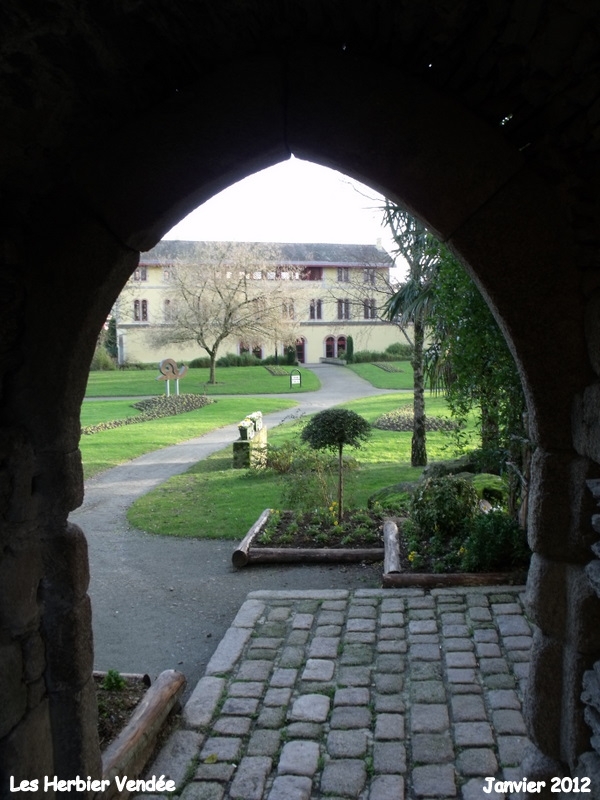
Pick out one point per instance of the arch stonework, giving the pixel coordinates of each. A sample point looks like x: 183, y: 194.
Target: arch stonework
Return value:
x: 480, y: 124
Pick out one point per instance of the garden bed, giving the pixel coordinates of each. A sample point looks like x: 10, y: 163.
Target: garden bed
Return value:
x: 270, y: 541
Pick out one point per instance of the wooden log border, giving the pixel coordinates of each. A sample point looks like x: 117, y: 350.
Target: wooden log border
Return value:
x: 393, y: 577
x: 131, y: 750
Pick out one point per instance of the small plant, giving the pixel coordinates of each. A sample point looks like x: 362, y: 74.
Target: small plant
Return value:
x: 113, y: 681
x: 444, y: 506
x: 495, y: 541
x: 333, y: 429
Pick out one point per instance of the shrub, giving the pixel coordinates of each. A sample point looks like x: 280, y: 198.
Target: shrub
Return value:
x: 202, y: 362
x: 495, y: 541
x: 400, y: 351
x: 444, y: 507
x: 241, y: 360
x: 349, y: 349
x: 102, y: 360
x: 402, y: 419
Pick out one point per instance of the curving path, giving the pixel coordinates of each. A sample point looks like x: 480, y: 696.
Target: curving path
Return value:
x: 162, y: 603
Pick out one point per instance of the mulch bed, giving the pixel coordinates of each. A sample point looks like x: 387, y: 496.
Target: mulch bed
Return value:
x: 116, y: 706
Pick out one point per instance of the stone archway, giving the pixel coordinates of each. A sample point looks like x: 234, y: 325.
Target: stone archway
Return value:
x: 113, y: 176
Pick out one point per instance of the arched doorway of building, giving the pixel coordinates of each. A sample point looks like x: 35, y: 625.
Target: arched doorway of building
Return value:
x: 301, y: 350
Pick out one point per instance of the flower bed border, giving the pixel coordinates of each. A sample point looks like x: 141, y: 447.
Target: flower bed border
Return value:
x: 392, y: 577
x: 129, y: 753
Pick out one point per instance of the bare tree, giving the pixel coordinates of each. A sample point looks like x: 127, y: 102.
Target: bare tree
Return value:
x: 230, y: 289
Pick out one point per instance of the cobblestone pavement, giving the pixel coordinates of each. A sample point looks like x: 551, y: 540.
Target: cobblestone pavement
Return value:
x: 376, y: 694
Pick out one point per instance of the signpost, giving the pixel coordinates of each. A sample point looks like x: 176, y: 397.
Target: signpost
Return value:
x: 295, y: 378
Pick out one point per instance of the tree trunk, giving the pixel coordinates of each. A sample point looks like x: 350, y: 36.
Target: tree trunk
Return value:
x: 418, y: 455
x: 212, y: 373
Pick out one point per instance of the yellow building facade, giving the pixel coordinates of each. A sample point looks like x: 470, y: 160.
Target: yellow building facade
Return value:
x: 336, y: 291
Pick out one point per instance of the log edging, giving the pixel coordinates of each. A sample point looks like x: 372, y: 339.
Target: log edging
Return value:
x: 129, y: 753
x: 393, y: 577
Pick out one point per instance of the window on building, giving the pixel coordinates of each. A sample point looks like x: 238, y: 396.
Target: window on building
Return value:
x: 287, y: 309
x: 312, y: 274
x: 329, y: 347
x: 343, y: 309
x: 343, y: 274
x: 370, y: 309
x: 140, y: 310
x: 369, y: 275
x: 140, y: 274
x: 167, y: 274
x: 316, y: 309
x: 168, y: 310
x: 341, y: 346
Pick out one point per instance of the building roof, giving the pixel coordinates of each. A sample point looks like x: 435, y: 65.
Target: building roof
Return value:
x: 297, y: 254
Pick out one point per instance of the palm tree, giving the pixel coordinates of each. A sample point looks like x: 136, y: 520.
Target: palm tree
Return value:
x: 413, y: 303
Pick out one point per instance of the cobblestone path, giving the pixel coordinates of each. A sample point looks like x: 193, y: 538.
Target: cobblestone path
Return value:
x: 370, y: 694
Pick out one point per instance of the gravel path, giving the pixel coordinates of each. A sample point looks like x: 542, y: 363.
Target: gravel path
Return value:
x: 162, y: 603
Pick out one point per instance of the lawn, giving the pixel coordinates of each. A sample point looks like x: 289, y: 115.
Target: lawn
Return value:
x: 212, y: 500
x: 230, y: 380
x: 106, y: 449
x: 386, y: 380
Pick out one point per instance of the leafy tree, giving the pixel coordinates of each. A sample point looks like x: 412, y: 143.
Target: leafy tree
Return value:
x: 229, y: 290
x: 468, y: 358
x: 412, y: 303
x: 333, y: 429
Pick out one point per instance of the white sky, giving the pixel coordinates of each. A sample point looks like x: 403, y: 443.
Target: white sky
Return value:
x: 294, y: 201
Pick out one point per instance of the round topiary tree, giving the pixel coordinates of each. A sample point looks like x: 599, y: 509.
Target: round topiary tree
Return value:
x: 333, y: 429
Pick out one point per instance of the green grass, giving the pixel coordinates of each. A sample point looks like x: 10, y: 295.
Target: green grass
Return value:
x: 386, y: 380
x: 96, y: 411
x: 214, y: 501
x: 230, y: 380
x: 107, y: 449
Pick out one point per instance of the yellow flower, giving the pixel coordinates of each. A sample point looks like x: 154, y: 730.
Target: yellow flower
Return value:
x: 412, y: 555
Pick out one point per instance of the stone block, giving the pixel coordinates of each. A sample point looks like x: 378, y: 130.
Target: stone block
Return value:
x: 347, y: 743
x: 387, y: 787
x: 543, y: 700
x: 432, y: 748
x: 228, y: 650
x: 343, y: 777
x: 250, y: 778
x: 199, y: 709
x: 434, y: 780
x: 583, y: 615
x: 20, y: 576
x: 389, y: 758
x: 176, y: 755
x: 264, y: 742
x: 13, y: 690
x: 310, y: 708
x: 291, y: 787
x: 299, y: 758
x: 546, y: 596
x: 477, y: 761
x: 68, y: 630
x: 429, y: 718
